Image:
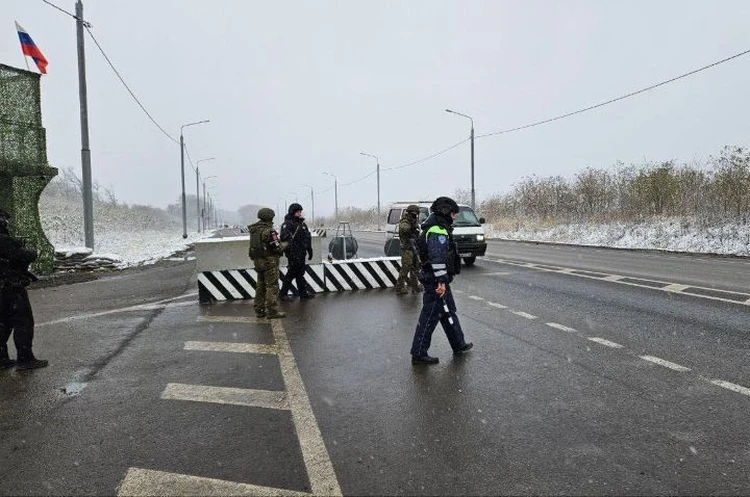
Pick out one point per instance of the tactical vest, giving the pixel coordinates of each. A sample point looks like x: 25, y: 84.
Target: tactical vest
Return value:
x: 257, y: 243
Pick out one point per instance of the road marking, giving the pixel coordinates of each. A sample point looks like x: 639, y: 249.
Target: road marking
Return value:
x: 732, y: 386
x: 320, y: 471
x: 142, y: 482
x: 675, y: 287
x: 605, y: 342
x: 242, y: 348
x: 524, y: 314
x: 662, y: 362
x: 231, y: 319
x: 561, y: 327
x: 266, y: 399
x: 665, y: 286
x: 474, y: 297
x: 160, y: 304
x: 501, y: 273
x: 498, y: 306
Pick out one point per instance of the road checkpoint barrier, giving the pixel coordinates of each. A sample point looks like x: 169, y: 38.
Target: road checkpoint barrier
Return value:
x: 338, y: 276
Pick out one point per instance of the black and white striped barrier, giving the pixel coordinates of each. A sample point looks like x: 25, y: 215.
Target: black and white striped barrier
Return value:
x: 321, y: 232
x: 339, y: 276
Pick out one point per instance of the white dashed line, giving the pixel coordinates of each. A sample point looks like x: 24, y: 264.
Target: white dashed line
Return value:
x: 496, y: 305
x: 242, y: 348
x: 524, y: 314
x: 474, y: 297
x: 662, y: 362
x: 561, y: 327
x: 142, y: 482
x: 732, y: 386
x: 605, y: 342
x: 267, y: 399
x: 675, y: 287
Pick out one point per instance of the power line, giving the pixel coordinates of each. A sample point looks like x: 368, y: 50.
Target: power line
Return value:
x: 128, y: 88
x: 360, y: 179
x: 623, y: 97
x: 413, y: 163
x: 64, y: 11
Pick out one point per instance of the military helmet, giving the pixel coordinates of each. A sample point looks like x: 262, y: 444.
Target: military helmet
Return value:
x: 444, y: 206
x: 413, y: 209
x: 266, y: 214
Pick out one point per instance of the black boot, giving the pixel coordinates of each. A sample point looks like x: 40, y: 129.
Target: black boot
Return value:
x: 425, y: 359
x: 5, y: 361
x: 26, y: 360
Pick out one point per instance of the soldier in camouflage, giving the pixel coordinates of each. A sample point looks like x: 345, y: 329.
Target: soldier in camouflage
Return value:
x: 265, y: 258
x: 408, y: 231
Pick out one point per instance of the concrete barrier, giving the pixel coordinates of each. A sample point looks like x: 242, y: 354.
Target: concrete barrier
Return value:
x: 338, y: 276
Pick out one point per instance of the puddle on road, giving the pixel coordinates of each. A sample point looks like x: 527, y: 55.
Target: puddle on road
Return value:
x: 73, y: 388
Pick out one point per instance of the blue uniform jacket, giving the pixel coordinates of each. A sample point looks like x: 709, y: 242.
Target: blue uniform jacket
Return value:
x: 439, y: 243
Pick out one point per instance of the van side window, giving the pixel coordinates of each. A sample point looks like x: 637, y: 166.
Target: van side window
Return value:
x: 423, y: 214
x: 394, y: 216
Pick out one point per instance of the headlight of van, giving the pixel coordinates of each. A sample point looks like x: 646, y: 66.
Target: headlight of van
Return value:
x: 480, y: 238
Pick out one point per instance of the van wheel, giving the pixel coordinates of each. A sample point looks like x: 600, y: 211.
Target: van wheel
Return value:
x: 469, y: 261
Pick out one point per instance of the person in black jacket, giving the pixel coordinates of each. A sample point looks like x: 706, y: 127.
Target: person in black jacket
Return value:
x: 295, y: 232
x: 16, y: 316
x: 439, y: 263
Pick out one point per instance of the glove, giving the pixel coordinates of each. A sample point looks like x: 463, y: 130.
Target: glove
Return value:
x: 309, y: 254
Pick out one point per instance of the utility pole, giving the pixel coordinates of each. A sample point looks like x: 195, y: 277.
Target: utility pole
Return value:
x: 377, y: 160
x: 473, y: 194
x: 88, y: 199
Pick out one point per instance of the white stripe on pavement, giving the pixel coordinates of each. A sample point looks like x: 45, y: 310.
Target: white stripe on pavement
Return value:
x: 320, y: 471
x: 561, y: 327
x: 524, y: 314
x: 605, y: 342
x: 475, y: 297
x: 496, y: 305
x: 732, y: 386
x: 266, y: 399
x: 242, y: 348
x: 143, y: 482
x: 662, y: 362
x: 231, y: 319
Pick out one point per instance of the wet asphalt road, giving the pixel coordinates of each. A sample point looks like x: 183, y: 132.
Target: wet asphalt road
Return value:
x: 538, y: 407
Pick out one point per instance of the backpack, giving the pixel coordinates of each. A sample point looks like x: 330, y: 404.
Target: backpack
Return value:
x: 257, y: 244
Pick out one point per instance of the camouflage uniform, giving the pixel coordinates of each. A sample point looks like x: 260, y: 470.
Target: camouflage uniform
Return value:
x: 266, y: 301
x: 408, y: 231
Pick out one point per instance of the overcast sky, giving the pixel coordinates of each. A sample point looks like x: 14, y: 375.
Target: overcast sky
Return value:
x: 297, y: 88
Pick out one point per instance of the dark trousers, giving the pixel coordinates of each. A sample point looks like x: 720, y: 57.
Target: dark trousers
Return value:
x: 296, y: 272
x: 432, y: 314
x: 17, y: 318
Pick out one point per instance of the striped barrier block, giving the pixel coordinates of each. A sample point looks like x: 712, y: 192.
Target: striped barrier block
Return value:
x: 321, y: 232
x: 338, y: 276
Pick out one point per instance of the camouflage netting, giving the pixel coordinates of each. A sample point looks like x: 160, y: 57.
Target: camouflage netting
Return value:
x: 24, y: 172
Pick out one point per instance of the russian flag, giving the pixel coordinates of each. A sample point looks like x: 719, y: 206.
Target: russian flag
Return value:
x: 29, y: 49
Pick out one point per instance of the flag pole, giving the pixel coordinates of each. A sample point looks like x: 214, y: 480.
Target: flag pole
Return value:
x: 25, y: 59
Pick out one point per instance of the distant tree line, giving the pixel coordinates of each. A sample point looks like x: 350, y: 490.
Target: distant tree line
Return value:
x: 716, y: 189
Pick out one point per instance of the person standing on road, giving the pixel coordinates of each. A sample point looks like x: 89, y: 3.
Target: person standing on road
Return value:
x: 294, y: 231
x: 265, y: 250
x: 408, y: 231
x: 16, y: 316
x: 440, y: 262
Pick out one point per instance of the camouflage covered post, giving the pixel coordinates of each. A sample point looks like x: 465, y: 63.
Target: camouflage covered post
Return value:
x: 24, y: 172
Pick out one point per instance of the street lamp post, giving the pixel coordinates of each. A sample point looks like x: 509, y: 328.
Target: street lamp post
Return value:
x: 377, y: 161
x: 198, y: 191
x: 204, y: 213
x: 312, y: 202
x: 182, y: 168
x: 335, y: 193
x: 473, y: 195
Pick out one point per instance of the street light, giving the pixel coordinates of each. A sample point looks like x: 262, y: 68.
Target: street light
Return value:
x: 312, y: 201
x: 473, y: 198
x: 182, y: 168
x: 197, y: 189
x: 203, y: 211
x: 377, y: 160
x: 335, y: 193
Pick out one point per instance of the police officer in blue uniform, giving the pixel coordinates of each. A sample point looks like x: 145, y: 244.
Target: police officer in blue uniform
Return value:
x: 440, y: 262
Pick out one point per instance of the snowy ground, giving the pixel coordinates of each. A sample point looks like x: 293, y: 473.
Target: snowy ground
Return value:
x: 678, y: 235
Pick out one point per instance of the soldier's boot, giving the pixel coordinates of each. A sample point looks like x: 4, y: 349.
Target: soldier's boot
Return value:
x: 26, y: 360
x: 260, y: 313
x: 417, y: 289
x: 275, y: 314
x: 5, y: 361
x: 400, y: 290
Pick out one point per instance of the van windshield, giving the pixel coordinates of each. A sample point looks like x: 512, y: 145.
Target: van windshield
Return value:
x: 466, y: 217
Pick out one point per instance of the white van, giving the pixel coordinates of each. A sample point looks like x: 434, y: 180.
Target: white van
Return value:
x: 468, y: 232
